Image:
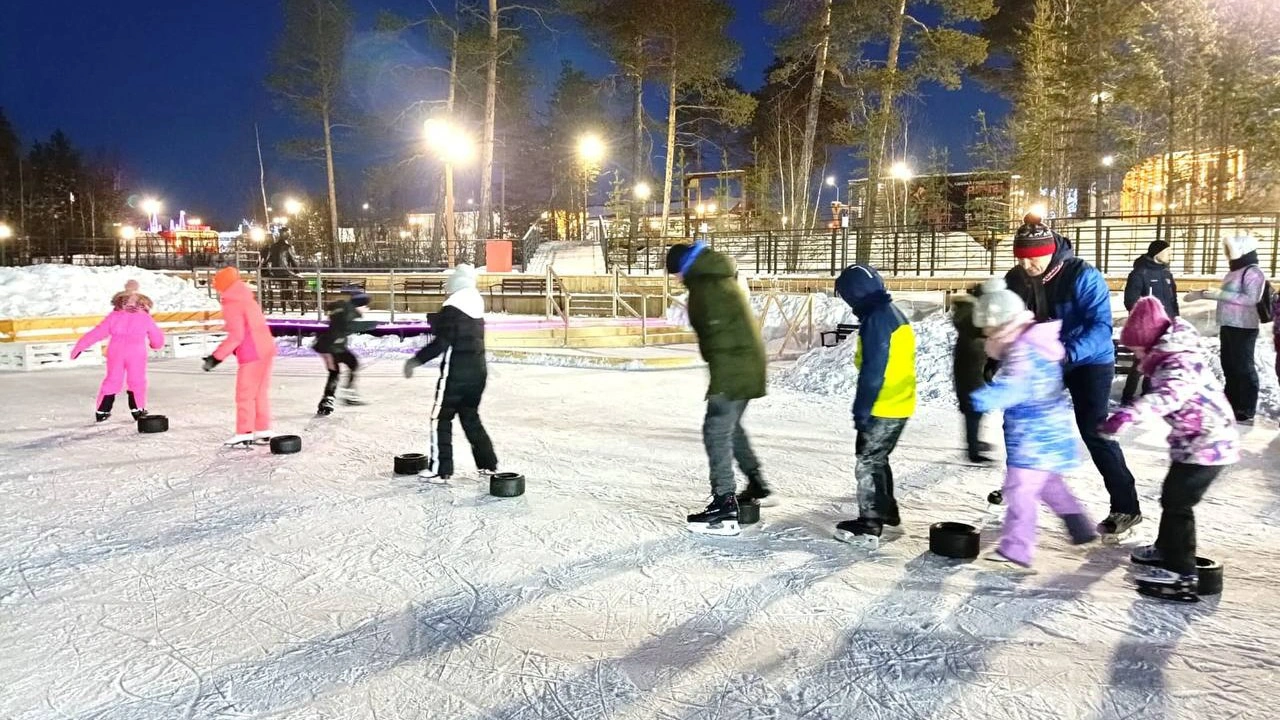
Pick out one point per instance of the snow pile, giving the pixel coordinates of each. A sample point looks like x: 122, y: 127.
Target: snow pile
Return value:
x: 830, y: 371
x: 52, y: 290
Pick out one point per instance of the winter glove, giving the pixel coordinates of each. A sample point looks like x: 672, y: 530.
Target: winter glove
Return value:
x: 1117, y: 422
x: 410, y: 365
x: 210, y: 362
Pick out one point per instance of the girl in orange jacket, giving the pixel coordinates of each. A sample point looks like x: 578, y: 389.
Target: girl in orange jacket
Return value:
x: 250, y: 339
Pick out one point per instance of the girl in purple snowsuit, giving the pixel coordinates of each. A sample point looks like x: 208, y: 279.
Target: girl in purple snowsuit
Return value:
x: 1039, y: 427
x: 1203, y: 439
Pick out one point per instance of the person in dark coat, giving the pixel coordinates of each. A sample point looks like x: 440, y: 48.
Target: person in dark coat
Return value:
x: 458, y: 338
x: 1150, y: 277
x: 280, y: 264
x: 1057, y: 285
x: 344, y: 319
x: 730, y: 342
x: 969, y: 372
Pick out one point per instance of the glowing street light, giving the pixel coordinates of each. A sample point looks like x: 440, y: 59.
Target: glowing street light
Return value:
x: 365, y: 207
x: 1108, y: 160
x: 128, y: 232
x: 590, y: 150
x: 642, y: 191
x: 1038, y: 211
x: 6, y: 232
x: 292, y: 206
x: 257, y: 234
x: 451, y: 145
x: 831, y: 180
x: 711, y: 208
x: 150, y: 206
x: 900, y: 171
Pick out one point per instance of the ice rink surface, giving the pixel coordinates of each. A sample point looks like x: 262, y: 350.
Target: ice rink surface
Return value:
x: 162, y: 576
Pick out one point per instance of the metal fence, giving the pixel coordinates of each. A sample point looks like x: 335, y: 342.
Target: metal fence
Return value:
x: 1110, y: 243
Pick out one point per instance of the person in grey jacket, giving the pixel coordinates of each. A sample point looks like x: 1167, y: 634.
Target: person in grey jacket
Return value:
x: 1238, y: 322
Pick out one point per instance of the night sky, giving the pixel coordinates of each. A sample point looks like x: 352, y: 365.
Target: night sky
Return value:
x: 173, y: 89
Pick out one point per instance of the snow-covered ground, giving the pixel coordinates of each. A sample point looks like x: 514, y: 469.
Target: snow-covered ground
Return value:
x: 44, y: 290
x: 163, y: 577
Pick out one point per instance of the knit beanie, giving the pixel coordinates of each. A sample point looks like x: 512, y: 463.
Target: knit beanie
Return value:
x: 462, y: 277
x: 675, y: 257
x: 1241, y: 245
x: 225, y: 278
x: 1032, y: 240
x: 1146, y: 324
x: 359, y: 297
x: 1156, y: 247
x: 997, y: 305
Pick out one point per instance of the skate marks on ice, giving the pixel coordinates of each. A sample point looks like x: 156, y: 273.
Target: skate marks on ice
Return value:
x: 419, y: 638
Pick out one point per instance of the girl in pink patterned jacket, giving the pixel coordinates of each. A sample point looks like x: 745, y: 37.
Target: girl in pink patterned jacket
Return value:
x: 1202, y: 442
x: 129, y: 327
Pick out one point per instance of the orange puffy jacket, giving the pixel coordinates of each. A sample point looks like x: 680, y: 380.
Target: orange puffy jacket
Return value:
x: 247, y: 333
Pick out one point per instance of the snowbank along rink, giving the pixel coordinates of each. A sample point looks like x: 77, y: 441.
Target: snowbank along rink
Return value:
x: 162, y: 576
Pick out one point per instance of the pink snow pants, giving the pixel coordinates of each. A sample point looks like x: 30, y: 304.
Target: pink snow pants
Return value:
x: 126, y: 364
x: 253, y: 407
x: 1024, y: 490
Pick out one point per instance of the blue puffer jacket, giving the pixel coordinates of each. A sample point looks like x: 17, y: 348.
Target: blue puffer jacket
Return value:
x: 1075, y: 293
x: 1039, y: 426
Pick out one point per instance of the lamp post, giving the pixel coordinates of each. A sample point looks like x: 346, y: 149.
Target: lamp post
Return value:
x: 902, y: 171
x: 450, y: 145
x: 6, y: 233
x: 591, y: 152
x: 151, y: 207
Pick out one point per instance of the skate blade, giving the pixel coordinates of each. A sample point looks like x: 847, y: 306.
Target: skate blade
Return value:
x: 1163, y: 592
x: 725, y: 528
x: 866, y: 542
x: 1117, y: 538
x: 245, y: 445
x: 996, y: 562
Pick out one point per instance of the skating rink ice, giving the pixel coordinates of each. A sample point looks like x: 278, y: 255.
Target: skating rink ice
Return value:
x: 161, y: 576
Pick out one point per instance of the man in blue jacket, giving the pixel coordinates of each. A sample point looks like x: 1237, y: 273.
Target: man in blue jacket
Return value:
x: 1057, y: 285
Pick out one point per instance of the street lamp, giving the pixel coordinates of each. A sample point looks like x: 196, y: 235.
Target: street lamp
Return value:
x: 902, y: 171
x: 450, y: 145
x: 591, y: 153
x: 365, y: 207
x: 126, y: 233
x: 292, y: 206
x: 6, y: 232
x: 642, y: 191
x: 1108, y: 160
x: 257, y: 234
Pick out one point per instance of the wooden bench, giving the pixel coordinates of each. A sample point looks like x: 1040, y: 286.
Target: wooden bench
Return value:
x: 421, y: 287
x: 842, y: 331
x: 1125, y: 360
x: 525, y: 287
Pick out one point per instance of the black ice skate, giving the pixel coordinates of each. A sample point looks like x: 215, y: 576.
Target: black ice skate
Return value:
x: 104, y: 408
x: 1169, y: 585
x: 137, y: 412
x: 720, y: 517
x: 756, y: 492
x: 1146, y: 555
x: 326, y: 406
x: 863, y: 532
x: 1118, y: 526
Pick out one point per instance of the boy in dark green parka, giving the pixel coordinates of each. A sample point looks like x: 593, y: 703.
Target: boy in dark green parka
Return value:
x: 729, y: 340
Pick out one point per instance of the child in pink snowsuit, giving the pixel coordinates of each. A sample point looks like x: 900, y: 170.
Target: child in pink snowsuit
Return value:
x: 1039, y: 429
x: 249, y: 339
x: 129, y: 327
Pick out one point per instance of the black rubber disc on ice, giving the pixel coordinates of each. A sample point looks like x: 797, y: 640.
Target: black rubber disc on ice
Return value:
x: 410, y: 463
x: 286, y: 444
x: 748, y: 513
x: 153, y: 424
x: 506, y: 484
x: 996, y: 497
x: 953, y: 540
x: 1210, y: 576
